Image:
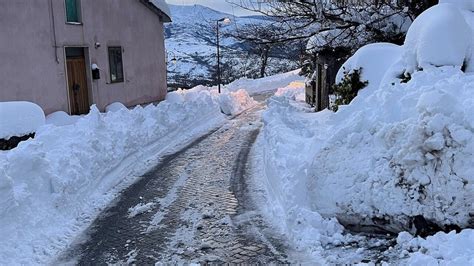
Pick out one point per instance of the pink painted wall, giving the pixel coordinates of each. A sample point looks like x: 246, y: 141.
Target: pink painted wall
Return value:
x: 29, y: 70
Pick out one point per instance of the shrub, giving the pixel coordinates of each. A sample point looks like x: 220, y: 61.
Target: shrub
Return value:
x: 346, y: 90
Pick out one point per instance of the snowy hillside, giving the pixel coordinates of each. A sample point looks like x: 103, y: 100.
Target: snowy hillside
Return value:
x: 191, y: 40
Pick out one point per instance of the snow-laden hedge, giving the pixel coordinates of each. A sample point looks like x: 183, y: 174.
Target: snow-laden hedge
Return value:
x: 19, y: 119
x: 373, y: 71
x: 440, y: 36
x: 51, y: 185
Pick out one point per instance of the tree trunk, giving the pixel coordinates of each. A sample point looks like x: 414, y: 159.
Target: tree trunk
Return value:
x: 264, y: 57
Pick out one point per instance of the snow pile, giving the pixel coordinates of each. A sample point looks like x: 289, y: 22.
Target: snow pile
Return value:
x: 284, y: 143
x: 294, y: 91
x: 399, y: 150
x: 440, y: 249
x: 19, y: 119
x: 53, y: 185
x: 114, y: 107
x: 404, y: 150
x: 234, y: 103
x: 440, y: 36
x: 372, y: 70
x: 231, y: 103
x: 61, y: 118
x: 269, y: 83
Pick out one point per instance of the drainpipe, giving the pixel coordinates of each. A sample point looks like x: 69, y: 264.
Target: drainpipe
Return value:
x: 54, y: 31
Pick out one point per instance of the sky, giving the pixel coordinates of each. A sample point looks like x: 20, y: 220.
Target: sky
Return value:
x: 220, y: 5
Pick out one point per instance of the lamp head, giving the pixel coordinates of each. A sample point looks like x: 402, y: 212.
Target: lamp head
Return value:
x: 225, y: 20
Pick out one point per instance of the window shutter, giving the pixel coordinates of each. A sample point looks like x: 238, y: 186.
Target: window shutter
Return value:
x: 72, y: 14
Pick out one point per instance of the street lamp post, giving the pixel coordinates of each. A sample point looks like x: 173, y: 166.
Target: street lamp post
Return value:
x: 225, y: 21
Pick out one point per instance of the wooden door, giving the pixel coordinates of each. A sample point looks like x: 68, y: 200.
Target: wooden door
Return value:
x: 77, y: 85
x: 322, y: 91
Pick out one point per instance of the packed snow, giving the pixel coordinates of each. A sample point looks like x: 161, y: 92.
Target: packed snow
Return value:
x: 440, y: 249
x: 53, y: 185
x: 20, y: 119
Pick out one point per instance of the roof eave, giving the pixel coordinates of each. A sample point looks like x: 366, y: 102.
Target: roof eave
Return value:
x: 163, y: 17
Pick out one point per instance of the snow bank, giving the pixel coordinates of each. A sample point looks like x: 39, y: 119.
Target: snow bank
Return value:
x: 440, y: 36
x: 52, y: 186
x: 404, y: 150
x: 234, y: 103
x: 286, y: 140
x: 270, y: 83
x: 61, y: 118
x: 19, y: 119
x: 231, y: 103
x: 440, y: 249
x: 400, y: 151
x: 374, y: 59
x: 114, y: 107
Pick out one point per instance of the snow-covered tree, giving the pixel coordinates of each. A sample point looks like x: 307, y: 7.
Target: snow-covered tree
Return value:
x: 331, y: 24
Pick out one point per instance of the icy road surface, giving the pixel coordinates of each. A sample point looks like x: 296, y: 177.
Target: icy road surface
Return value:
x: 193, y: 207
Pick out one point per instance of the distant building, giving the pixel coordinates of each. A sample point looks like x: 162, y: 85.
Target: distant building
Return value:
x: 68, y: 54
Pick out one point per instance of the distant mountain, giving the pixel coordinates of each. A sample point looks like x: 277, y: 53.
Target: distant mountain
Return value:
x: 191, y: 40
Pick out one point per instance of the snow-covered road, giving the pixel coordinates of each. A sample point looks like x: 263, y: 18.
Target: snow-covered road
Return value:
x: 193, y: 207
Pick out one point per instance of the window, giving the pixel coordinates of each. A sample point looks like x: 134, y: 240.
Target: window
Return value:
x: 115, y: 64
x: 73, y: 11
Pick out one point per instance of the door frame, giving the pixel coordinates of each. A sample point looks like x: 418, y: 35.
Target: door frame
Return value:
x: 88, y: 75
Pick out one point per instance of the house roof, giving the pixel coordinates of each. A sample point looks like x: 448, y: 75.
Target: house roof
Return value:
x: 160, y: 7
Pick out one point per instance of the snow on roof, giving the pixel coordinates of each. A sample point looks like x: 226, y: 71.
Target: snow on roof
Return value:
x: 163, y: 7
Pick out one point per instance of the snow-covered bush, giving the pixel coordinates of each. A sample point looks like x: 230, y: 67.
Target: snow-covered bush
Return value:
x: 463, y: 4
x: 440, y: 36
x: 375, y: 59
x: 20, y: 119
